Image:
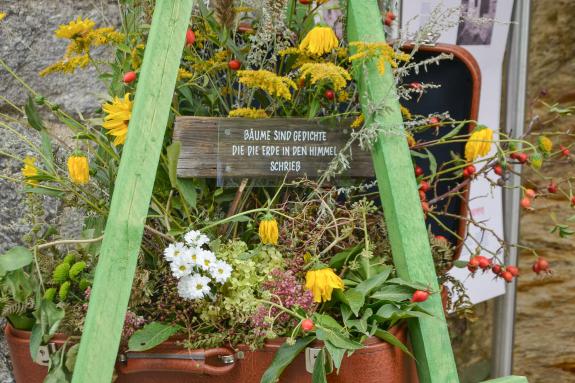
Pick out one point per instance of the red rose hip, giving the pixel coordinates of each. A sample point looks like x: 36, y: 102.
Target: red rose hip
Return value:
x: 307, y: 325
x: 190, y: 37
x: 329, y: 94
x: 420, y: 296
x: 129, y: 77
x: 234, y: 64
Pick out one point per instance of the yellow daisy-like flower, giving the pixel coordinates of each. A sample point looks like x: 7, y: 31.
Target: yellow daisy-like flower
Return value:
x: 358, y: 122
x: 545, y: 144
x: 410, y: 140
x: 268, y: 81
x: 75, y: 28
x: 248, y: 113
x: 78, y: 169
x: 317, y: 72
x: 30, y: 170
x: 478, y: 144
x: 268, y: 230
x: 2, y: 16
x: 321, y: 283
x: 319, y: 40
x: 67, y: 65
x: 118, y: 114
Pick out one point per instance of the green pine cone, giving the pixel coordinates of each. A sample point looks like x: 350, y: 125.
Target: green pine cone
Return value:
x: 50, y: 294
x: 70, y: 258
x: 60, y: 273
x: 76, y: 269
x: 64, y: 290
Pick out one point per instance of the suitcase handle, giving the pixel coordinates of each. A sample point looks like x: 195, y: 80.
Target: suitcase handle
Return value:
x: 194, y: 362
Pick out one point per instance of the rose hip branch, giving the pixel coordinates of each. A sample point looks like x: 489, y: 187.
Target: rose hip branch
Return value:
x: 230, y: 147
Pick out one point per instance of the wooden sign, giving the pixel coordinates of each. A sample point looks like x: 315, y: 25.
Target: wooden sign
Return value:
x: 273, y: 147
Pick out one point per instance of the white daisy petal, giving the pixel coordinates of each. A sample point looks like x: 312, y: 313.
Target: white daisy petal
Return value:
x: 194, y: 286
x: 181, y: 267
x: 221, y: 271
x: 174, y: 251
x: 208, y: 259
x: 196, y: 239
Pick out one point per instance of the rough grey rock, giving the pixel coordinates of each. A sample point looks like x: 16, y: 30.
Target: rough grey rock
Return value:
x: 28, y: 45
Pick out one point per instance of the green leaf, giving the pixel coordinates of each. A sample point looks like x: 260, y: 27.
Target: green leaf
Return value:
x: 187, y: 189
x: 19, y: 284
x: 338, y: 338
x: 151, y: 335
x: 391, y: 339
x: 318, y: 375
x: 460, y: 264
x: 374, y: 282
x: 283, y: 358
x: 173, y: 153
x: 432, y: 164
x: 354, y: 299
x: 314, y: 108
x: 387, y: 311
x: 325, y: 320
x: 338, y: 260
x: 46, y: 149
x: 394, y: 293
x: 413, y: 285
x: 15, y: 258
x: 453, y: 132
x: 32, y: 115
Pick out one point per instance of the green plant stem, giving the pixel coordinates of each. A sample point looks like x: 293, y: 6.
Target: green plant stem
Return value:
x: 69, y: 242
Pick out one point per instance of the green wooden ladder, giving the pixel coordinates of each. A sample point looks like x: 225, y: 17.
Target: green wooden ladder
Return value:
x: 133, y: 190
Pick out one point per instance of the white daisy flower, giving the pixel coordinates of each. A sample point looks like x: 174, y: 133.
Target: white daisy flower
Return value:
x: 196, y: 239
x: 221, y: 271
x: 196, y: 256
x: 208, y: 259
x: 181, y: 267
x: 174, y: 251
x: 193, y: 286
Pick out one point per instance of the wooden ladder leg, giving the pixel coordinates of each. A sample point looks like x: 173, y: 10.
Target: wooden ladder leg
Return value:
x: 132, y: 193
x: 401, y: 204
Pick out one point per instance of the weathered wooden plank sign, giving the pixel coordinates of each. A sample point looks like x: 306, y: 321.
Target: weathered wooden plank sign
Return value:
x: 273, y: 147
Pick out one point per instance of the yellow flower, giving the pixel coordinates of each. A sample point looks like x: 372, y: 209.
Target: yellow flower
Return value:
x: 382, y: 52
x: 183, y: 74
x: 321, y: 283
x: 2, y: 16
x: 118, y: 115
x: 67, y: 65
x: 268, y: 81
x: 78, y: 169
x: 358, y: 122
x: 75, y: 28
x: 545, y: 144
x: 410, y: 140
x: 319, y: 40
x: 30, y: 170
x: 405, y: 112
x: 479, y: 144
x: 268, y: 230
x: 536, y: 160
x: 249, y: 113
x: 337, y: 75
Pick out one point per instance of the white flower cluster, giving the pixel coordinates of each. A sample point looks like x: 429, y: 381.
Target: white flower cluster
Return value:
x: 195, y: 267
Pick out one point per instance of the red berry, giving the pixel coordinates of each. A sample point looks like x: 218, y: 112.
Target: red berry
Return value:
x: 541, y: 265
x: 129, y: 77
x: 305, y: 2
x: 418, y: 171
x: 530, y: 193
x: 473, y: 264
x: 420, y: 296
x: 390, y: 15
x: 507, y: 276
x: 552, y: 188
x: 329, y: 94
x: 564, y: 151
x: 234, y: 64
x: 526, y: 203
x: 441, y: 238
x: 434, y: 120
x: 307, y: 325
x: 498, y: 169
x: 424, y: 186
x: 415, y: 85
x: 469, y: 171
x: 190, y: 37
x: 513, y: 270
x: 522, y: 158
x: 484, y: 263
x: 573, y: 200
x: 514, y: 155
x: 496, y: 269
